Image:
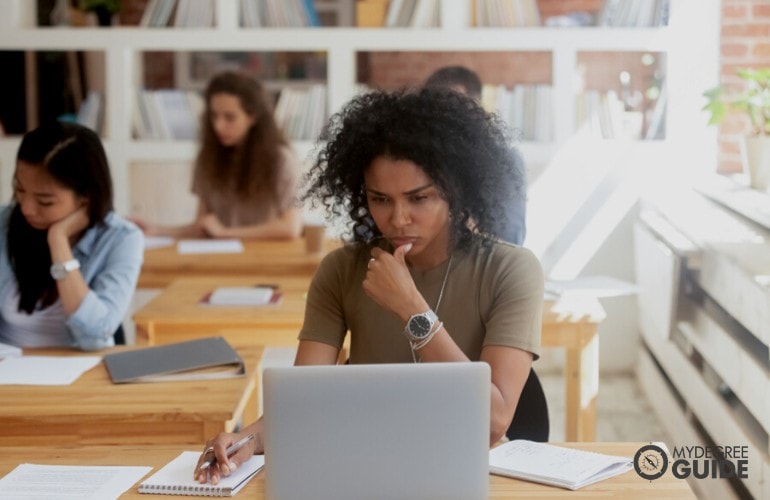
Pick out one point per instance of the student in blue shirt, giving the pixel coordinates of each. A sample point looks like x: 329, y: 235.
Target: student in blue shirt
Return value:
x: 68, y: 263
x: 466, y: 81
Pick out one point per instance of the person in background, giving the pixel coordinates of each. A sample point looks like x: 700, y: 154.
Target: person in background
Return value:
x: 425, y: 278
x: 462, y: 79
x: 68, y: 263
x: 246, y: 174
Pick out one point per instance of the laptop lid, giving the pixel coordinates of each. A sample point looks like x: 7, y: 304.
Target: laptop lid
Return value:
x: 390, y: 431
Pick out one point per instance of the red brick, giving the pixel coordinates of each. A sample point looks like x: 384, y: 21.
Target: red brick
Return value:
x: 750, y: 30
x: 730, y: 167
x: 762, y: 50
x: 734, y: 13
x: 734, y: 49
x: 761, y: 10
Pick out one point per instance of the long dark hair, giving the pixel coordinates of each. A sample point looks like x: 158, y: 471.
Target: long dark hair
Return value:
x: 466, y: 151
x: 251, y: 169
x: 73, y: 155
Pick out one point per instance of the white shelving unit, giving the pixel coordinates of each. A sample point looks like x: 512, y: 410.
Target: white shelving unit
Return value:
x: 123, y: 47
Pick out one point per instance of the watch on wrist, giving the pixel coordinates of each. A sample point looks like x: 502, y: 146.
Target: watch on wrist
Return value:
x: 419, y: 325
x: 60, y: 270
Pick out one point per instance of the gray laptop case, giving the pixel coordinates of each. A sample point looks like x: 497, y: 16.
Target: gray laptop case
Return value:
x: 392, y: 431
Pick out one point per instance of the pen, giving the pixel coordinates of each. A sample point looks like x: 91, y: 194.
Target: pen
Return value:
x: 230, y: 450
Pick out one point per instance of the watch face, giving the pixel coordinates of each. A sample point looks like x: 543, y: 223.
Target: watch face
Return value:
x: 419, y: 326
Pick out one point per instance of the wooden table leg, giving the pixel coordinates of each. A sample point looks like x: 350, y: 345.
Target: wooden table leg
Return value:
x: 581, y: 386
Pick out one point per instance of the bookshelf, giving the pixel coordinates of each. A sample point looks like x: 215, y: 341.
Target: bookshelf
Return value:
x: 123, y: 46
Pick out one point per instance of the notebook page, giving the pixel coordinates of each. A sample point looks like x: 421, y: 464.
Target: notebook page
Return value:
x: 177, y: 477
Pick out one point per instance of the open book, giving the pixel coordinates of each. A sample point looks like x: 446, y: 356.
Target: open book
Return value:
x: 207, y: 358
x: 176, y: 478
x: 554, y: 465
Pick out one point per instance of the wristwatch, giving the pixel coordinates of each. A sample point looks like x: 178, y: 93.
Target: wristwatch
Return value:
x: 60, y: 270
x: 419, y: 325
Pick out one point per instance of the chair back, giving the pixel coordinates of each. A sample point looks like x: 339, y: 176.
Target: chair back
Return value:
x: 531, y: 418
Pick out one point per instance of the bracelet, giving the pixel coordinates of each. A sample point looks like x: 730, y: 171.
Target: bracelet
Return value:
x: 416, y: 346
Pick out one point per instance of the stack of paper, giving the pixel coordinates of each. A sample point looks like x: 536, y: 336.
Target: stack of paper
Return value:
x: 9, y: 351
x: 241, y: 296
x: 554, y: 465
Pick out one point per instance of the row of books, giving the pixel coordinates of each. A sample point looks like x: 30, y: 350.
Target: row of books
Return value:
x: 174, y: 114
x: 91, y: 111
x: 279, y: 13
x: 604, y: 115
x: 301, y: 113
x: 506, y: 13
x: 412, y: 14
x: 527, y: 109
x: 181, y: 13
x: 634, y: 13
x: 167, y: 114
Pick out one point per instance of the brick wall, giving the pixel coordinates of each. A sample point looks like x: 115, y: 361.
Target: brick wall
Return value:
x: 745, y: 42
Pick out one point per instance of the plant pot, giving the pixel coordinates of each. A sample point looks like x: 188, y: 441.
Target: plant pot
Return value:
x: 103, y: 16
x: 756, y: 160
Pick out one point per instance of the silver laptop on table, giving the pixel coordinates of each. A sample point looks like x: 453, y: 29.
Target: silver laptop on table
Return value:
x: 390, y: 431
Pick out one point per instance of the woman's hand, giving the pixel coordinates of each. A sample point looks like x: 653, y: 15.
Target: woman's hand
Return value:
x: 212, y: 226
x: 70, y: 225
x: 390, y: 285
x: 224, y: 465
x: 145, y: 226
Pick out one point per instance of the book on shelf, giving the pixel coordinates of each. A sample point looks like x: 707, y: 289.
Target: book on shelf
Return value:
x: 257, y: 295
x: 199, y: 359
x: 554, y: 465
x: 633, y: 13
x: 371, y: 13
x: 506, y: 13
x: 175, y: 478
x: 194, y: 13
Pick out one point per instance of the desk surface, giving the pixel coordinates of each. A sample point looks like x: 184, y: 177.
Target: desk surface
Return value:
x: 626, y: 486
x: 177, y: 314
x: 93, y: 410
x: 275, y: 258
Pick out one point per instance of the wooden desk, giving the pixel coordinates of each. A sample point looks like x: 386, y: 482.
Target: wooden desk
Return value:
x: 177, y: 314
x: 572, y: 323
x: 626, y: 486
x: 93, y: 410
x: 274, y: 258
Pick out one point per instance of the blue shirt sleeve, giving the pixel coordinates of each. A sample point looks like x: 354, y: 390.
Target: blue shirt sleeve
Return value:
x: 111, y: 269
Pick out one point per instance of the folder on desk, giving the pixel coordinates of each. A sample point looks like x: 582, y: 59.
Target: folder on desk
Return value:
x: 207, y: 358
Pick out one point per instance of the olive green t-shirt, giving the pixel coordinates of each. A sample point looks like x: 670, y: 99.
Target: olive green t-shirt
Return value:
x: 493, y: 296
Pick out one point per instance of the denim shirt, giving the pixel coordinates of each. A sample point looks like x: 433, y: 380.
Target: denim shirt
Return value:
x: 110, y: 258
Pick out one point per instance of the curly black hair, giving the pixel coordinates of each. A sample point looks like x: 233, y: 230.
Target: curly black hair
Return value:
x: 467, y: 152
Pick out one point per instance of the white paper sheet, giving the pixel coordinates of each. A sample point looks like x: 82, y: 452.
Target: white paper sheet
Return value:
x: 9, y: 351
x: 209, y: 246
x: 597, y: 286
x: 151, y: 242
x: 61, y: 482
x: 45, y: 370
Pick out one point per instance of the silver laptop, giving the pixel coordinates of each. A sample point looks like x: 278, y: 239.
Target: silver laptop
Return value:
x: 390, y: 431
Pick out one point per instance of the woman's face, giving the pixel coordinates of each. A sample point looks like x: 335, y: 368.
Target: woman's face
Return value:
x: 43, y: 200
x: 228, y: 119
x: 408, y: 208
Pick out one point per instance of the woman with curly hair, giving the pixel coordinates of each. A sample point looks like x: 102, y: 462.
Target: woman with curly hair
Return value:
x: 421, y: 176
x: 246, y: 174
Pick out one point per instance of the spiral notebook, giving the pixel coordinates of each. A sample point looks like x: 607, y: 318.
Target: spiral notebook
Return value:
x: 176, y: 478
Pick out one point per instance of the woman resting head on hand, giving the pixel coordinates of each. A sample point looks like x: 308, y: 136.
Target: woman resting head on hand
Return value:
x: 421, y: 176
x: 245, y: 174
x: 68, y: 263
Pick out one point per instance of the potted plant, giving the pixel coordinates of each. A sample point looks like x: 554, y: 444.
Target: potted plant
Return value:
x: 753, y: 100
x: 104, y: 9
